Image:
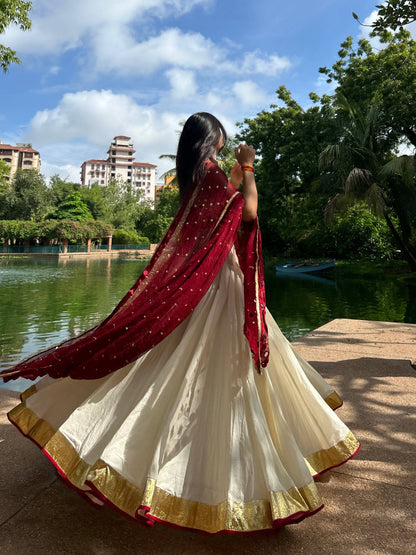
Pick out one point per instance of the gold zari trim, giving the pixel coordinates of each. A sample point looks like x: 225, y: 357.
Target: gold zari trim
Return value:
x: 229, y: 515
x: 244, y: 516
x: 333, y: 456
x: 28, y: 392
x: 333, y: 401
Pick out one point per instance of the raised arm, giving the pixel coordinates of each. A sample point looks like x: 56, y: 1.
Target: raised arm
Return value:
x: 243, y: 171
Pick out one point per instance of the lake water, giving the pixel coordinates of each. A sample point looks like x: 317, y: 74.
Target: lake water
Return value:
x: 43, y: 302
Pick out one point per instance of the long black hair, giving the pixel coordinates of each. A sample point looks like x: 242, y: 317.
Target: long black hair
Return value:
x: 198, y: 142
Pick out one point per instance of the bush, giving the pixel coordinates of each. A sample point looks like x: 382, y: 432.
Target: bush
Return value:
x: 358, y: 234
x: 54, y: 229
x: 128, y: 237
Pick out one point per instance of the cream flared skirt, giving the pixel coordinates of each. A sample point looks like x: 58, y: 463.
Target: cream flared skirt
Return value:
x: 190, y: 434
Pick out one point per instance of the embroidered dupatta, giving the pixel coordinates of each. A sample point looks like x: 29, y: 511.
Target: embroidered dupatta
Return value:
x: 182, y: 269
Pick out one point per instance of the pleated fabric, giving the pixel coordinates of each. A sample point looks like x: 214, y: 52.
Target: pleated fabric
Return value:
x: 190, y: 434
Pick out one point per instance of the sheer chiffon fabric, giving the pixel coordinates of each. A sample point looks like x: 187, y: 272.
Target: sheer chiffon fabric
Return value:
x: 190, y: 434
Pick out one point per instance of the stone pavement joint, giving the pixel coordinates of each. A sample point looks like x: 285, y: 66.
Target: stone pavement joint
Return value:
x: 370, y: 501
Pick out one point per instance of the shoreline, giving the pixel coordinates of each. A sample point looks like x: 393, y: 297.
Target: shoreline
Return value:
x: 142, y: 253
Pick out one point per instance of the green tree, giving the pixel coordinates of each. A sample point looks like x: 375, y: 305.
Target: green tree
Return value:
x: 4, y: 188
x: 121, y: 204
x: 154, y: 222
x: 172, y: 171
x: 361, y: 235
x: 364, y: 169
x: 387, y: 76
x: 12, y: 12
x: 29, y: 197
x: 292, y: 192
x: 95, y: 198
x: 393, y: 14
x: 73, y: 208
x: 60, y: 189
x: 4, y: 173
x: 168, y: 203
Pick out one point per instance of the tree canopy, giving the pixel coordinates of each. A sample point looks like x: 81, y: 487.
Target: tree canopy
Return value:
x: 12, y: 12
x: 73, y: 208
x: 393, y: 14
x: 358, y: 132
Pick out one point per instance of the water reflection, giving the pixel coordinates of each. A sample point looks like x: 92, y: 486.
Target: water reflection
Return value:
x: 300, y: 305
x: 43, y: 302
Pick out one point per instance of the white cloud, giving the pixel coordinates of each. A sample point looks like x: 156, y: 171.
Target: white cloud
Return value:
x: 248, y: 93
x: 66, y: 172
x: 59, y: 25
x: 182, y: 83
x: 119, y: 38
x: 175, y: 48
x: 170, y: 48
x: 253, y: 62
x: 83, y: 124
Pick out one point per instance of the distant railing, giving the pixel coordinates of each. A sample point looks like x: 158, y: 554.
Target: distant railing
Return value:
x: 144, y: 247
x: 56, y: 249
x: 16, y: 249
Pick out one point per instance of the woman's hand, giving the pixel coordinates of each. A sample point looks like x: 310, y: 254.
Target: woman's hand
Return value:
x: 245, y: 154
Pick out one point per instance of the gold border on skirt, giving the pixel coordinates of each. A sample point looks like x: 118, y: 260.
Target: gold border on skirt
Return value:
x: 235, y: 516
x: 333, y: 401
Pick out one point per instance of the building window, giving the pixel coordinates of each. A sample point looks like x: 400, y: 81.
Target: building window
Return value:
x: 27, y: 162
x: 92, y: 166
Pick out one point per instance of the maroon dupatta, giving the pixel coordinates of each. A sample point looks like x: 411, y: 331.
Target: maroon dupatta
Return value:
x: 178, y: 276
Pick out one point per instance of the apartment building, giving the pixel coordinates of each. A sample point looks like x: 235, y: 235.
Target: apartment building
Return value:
x: 21, y: 156
x: 120, y: 165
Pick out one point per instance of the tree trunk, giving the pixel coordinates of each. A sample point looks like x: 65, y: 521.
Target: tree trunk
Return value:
x: 409, y: 256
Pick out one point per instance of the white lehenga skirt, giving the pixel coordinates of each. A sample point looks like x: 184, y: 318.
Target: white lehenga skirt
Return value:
x: 190, y: 434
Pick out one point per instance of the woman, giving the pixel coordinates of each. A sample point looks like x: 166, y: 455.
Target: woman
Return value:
x: 187, y: 405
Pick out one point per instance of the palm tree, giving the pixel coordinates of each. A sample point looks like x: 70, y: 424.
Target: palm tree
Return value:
x: 364, y: 169
x: 172, y: 171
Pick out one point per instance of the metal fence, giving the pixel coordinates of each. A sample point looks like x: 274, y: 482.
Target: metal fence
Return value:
x: 57, y: 249
x: 16, y: 249
x: 145, y: 247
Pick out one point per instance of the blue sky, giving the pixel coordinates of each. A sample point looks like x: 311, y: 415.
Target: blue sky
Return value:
x: 93, y: 69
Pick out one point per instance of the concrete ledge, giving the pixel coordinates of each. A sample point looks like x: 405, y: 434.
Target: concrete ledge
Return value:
x: 369, y: 502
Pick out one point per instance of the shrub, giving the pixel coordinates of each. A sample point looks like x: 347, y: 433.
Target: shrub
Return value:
x: 359, y: 234
x: 128, y: 237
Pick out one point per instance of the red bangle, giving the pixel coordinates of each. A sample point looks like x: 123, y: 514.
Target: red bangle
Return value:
x: 248, y: 168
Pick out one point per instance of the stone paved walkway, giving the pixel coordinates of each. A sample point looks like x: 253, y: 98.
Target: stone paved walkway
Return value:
x: 370, y: 503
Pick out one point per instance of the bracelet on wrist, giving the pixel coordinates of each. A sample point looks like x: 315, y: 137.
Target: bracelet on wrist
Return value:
x: 247, y: 167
